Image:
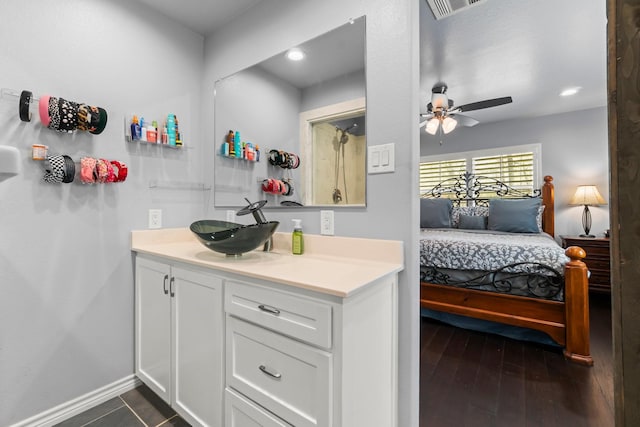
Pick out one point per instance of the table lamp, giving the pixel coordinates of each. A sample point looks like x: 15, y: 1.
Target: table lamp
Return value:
x: 587, y: 195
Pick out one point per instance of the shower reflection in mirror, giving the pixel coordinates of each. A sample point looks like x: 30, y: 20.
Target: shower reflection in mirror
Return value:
x: 333, y: 142
x: 339, y: 146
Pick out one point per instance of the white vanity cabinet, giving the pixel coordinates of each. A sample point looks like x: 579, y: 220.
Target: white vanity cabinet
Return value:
x: 303, y: 358
x: 179, y: 337
x: 269, y: 339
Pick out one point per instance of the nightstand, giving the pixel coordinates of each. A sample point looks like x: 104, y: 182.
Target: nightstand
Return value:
x: 597, y: 260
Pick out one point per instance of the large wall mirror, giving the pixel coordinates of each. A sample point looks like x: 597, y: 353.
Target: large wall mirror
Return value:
x: 307, y: 120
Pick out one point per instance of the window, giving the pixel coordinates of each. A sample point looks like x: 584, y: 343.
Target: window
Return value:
x: 517, y: 166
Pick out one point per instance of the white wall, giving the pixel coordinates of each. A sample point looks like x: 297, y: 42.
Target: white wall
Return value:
x: 66, y: 278
x: 392, y: 116
x: 574, y: 152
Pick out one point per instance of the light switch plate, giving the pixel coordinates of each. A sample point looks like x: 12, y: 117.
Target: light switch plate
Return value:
x: 381, y: 158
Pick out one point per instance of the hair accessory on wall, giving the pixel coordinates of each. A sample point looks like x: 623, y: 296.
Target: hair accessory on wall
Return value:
x: 120, y: 170
x: 69, y: 169
x: 87, y: 169
x: 23, y: 106
x: 43, y: 110
x: 66, y: 116
x: 101, y: 171
x: 59, y: 169
x: 62, y: 169
x: 277, y: 186
x: 283, y: 159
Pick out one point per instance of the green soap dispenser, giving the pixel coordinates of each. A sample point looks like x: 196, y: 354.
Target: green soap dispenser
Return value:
x: 297, y: 242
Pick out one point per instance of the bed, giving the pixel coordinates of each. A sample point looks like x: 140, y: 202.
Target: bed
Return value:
x: 487, y: 252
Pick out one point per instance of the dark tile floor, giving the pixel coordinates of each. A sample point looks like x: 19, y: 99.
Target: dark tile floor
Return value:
x: 136, y: 408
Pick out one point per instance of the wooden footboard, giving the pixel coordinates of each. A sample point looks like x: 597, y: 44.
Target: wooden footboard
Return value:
x: 566, y: 322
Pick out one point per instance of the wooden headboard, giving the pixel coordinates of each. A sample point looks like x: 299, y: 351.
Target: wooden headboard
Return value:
x: 469, y: 189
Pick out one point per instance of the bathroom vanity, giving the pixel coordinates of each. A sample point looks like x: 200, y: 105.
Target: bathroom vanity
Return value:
x: 269, y: 338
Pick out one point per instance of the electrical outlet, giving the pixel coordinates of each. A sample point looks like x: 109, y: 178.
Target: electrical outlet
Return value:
x: 231, y: 216
x: 155, y: 218
x: 326, y: 223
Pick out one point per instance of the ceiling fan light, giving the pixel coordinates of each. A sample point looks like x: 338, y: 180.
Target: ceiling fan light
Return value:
x: 448, y: 124
x: 432, y: 126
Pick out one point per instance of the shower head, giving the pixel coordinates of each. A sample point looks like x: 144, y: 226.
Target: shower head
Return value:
x: 344, y: 137
x: 355, y: 125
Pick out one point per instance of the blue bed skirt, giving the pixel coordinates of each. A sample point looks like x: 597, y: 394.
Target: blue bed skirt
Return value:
x: 509, y: 331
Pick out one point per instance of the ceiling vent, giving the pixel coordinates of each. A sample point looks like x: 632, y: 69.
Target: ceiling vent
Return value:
x: 443, y: 8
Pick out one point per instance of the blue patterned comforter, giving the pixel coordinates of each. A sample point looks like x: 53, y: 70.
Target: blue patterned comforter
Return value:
x: 488, y: 250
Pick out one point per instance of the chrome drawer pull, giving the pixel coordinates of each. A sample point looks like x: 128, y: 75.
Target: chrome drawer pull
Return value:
x: 269, y: 309
x: 268, y: 372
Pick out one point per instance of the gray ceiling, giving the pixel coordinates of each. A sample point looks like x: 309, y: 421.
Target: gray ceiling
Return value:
x: 530, y: 50
x: 202, y: 16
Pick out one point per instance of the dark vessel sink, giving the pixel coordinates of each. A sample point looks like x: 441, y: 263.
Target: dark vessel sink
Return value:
x: 231, y: 238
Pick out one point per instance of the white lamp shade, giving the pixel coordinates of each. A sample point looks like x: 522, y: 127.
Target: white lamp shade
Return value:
x: 432, y: 126
x: 587, y: 195
x: 448, y: 124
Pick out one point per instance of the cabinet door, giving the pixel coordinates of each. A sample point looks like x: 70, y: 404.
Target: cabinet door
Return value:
x: 198, y: 350
x: 153, y: 326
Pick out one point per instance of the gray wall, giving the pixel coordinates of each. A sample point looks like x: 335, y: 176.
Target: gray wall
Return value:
x: 66, y: 311
x: 344, y: 88
x: 392, y: 116
x: 574, y: 152
x: 265, y: 110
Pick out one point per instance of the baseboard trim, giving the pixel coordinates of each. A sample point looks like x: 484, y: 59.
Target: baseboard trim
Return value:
x: 80, y: 404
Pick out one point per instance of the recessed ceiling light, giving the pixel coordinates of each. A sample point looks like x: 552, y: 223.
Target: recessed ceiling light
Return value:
x: 295, y: 54
x: 570, y: 91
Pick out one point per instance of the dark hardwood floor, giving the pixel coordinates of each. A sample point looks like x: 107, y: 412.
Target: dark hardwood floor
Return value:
x: 476, y: 379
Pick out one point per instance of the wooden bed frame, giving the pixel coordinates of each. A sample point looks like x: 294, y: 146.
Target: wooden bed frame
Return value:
x: 566, y: 322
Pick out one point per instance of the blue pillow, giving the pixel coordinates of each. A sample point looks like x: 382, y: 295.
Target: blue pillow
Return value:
x: 472, y: 222
x: 514, y: 215
x: 435, y: 213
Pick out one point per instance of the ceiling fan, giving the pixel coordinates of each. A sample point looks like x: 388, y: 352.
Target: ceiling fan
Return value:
x: 443, y: 114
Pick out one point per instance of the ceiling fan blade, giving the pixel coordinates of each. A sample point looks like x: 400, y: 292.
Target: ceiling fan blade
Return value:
x: 423, y: 123
x: 488, y: 103
x: 464, y: 120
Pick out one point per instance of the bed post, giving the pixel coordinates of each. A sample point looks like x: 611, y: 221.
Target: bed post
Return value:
x: 548, y: 200
x: 577, y: 308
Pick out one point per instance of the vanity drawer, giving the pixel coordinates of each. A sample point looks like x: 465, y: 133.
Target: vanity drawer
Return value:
x: 297, y: 317
x: 241, y: 412
x: 286, y: 377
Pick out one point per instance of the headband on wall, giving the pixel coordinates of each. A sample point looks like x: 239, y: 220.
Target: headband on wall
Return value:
x: 66, y: 116
x: 62, y: 169
x: 59, y: 114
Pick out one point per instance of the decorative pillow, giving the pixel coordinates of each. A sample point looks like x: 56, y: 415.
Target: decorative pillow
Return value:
x: 435, y: 213
x: 467, y: 210
x: 472, y: 222
x: 514, y: 216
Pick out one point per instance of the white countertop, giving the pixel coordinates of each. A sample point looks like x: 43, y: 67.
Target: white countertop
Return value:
x: 333, y: 265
